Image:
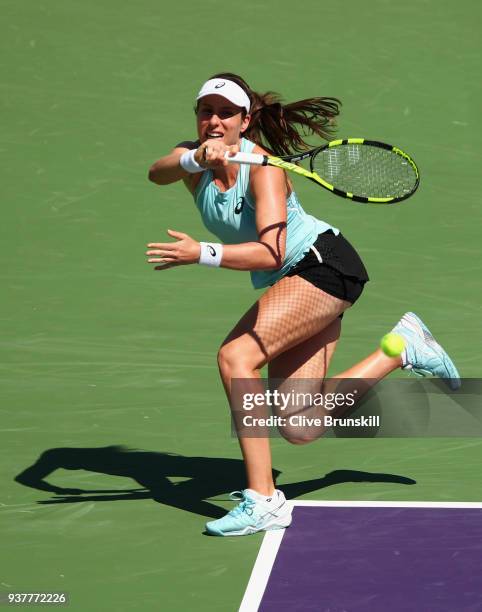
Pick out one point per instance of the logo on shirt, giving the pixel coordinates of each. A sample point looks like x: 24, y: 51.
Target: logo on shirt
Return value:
x: 239, y: 205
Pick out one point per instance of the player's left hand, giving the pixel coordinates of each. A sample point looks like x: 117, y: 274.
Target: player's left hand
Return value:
x: 185, y: 250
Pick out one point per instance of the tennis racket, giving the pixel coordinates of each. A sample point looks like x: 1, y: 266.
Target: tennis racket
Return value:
x: 362, y: 170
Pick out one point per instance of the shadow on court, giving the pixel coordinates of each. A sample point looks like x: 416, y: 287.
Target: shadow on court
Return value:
x: 206, y: 477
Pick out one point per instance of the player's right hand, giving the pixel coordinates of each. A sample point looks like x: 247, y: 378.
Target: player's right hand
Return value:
x: 211, y: 153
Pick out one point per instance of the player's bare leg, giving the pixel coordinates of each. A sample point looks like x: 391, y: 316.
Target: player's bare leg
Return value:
x: 294, y: 327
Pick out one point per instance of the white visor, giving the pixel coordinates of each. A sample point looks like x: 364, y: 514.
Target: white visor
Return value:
x: 227, y: 89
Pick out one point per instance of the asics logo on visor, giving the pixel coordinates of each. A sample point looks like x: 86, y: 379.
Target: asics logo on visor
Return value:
x: 219, y: 85
x: 212, y: 250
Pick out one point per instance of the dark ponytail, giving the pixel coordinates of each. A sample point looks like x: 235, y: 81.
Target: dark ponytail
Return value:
x: 281, y: 128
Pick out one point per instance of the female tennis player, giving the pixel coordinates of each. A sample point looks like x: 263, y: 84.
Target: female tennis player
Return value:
x: 311, y: 272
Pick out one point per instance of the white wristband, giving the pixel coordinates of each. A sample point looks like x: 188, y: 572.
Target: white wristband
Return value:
x: 188, y: 162
x: 211, y: 254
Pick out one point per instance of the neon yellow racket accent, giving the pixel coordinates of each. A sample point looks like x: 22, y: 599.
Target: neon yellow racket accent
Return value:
x: 280, y: 163
x: 361, y: 170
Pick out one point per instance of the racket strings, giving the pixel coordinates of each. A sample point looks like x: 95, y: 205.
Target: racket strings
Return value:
x: 366, y: 171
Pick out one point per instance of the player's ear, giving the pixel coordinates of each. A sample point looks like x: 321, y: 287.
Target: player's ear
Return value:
x: 245, y: 123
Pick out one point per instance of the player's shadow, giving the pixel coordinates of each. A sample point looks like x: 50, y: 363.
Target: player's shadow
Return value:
x: 199, y: 478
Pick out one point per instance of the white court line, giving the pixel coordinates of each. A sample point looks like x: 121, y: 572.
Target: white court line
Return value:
x: 388, y: 504
x: 272, y: 541
x: 261, y: 570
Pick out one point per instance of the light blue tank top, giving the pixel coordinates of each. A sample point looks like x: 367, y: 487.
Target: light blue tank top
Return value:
x: 230, y: 216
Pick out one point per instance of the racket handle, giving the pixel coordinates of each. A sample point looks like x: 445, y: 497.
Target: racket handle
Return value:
x: 254, y: 159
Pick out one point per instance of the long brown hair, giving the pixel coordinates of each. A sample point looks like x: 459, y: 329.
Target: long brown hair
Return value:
x: 281, y: 128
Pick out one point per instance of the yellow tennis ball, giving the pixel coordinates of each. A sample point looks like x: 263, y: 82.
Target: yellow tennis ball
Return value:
x: 392, y: 344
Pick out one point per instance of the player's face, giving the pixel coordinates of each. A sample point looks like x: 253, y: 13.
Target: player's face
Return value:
x: 220, y: 118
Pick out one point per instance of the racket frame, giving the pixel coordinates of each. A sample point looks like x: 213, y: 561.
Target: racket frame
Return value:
x: 288, y: 162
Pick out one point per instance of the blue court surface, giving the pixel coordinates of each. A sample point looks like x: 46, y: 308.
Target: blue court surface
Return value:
x: 371, y: 557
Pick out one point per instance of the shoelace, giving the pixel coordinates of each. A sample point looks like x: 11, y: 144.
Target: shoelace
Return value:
x: 418, y: 372
x: 246, y: 504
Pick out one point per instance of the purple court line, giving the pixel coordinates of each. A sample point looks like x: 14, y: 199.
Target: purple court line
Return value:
x: 371, y: 557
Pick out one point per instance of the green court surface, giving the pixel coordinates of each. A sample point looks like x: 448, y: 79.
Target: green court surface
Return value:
x: 99, y: 350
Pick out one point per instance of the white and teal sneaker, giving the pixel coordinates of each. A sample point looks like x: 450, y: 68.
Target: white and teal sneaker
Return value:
x: 254, y: 513
x: 422, y: 354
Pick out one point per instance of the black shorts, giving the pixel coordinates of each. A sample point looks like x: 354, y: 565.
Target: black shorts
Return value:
x: 334, y: 266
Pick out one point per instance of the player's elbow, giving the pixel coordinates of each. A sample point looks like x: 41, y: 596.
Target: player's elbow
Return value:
x: 271, y: 263
x: 279, y: 259
x: 161, y: 175
x: 151, y: 175
x: 274, y: 256
x: 155, y: 176
x: 277, y: 265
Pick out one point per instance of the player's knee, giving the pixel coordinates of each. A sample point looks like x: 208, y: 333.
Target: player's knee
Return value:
x: 297, y: 435
x: 227, y: 355
x: 233, y: 361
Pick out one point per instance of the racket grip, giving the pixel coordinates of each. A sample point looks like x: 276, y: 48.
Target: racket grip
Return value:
x: 254, y: 159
